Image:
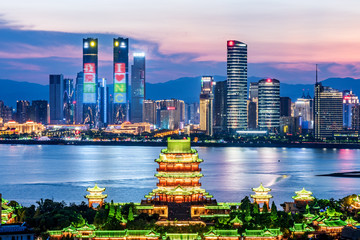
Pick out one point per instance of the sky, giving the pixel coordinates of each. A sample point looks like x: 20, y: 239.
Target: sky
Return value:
x: 182, y: 38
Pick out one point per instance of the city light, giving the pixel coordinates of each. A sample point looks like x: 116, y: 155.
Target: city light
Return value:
x: 231, y: 43
x: 92, y: 44
x: 269, y: 80
x: 139, y: 54
x: 116, y: 44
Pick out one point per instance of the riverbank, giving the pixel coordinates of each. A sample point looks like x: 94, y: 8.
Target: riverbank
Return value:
x: 195, y: 144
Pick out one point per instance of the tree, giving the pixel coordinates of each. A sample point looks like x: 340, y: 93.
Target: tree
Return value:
x: 273, y: 215
x: 256, y: 208
x: 265, y: 208
x: 131, y: 214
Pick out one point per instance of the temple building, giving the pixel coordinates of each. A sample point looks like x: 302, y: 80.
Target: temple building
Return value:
x: 96, y: 196
x: 356, y: 203
x: 179, y: 194
x: 303, y: 197
x: 261, y: 195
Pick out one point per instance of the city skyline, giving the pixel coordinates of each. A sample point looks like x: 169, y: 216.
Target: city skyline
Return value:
x: 284, y: 43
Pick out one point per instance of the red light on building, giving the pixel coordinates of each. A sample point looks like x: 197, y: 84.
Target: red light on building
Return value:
x: 171, y: 108
x: 74, y: 102
x: 347, y: 97
x: 231, y: 43
x: 269, y: 80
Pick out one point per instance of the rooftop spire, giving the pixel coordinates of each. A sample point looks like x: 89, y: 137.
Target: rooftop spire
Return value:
x: 316, y: 74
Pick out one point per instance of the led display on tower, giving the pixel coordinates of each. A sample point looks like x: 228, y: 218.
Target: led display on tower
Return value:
x: 90, y: 65
x: 121, y: 82
x: 90, y: 59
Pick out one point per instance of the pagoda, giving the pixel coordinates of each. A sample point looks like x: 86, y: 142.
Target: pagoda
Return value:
x: 178, y: 194
x: 261, y: 195
x: 303, y: 197
x: 96, y: 195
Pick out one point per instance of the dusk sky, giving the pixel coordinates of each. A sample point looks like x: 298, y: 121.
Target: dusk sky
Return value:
x: 182, y: 38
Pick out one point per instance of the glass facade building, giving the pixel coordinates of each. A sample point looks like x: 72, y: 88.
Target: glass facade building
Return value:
x: 137, y: 87
x: 206, y: 105
x: 269, y: 105
x: 236, y: 86
x: 328, y: 111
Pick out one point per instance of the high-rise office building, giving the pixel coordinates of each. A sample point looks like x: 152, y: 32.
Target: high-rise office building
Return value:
x: 90, y: 94
x: 269, y: 105
x: 79, y: 88
x: 220, y: 94
x: 236, y: 86
x: 304, y: 112
x: 149, y: 112
x: 137, y: 87
x: 22, y: 111
x: 170, y: 114
x: 253, y: 90
x: 39, y: 111
x: 121, y: 82
x: 206, y: 105
x: 252, y: 114
x: 103, y: 100
x: 68, y: 101
x: 56, y: 98
x: 285, y: 107
x: 328, y: 111
x: 349, y: 101
x: 355, y: 117
x: 6, y: 113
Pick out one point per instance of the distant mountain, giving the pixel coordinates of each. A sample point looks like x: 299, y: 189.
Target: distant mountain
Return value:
x: 11, y: 91
x: 187, y: 89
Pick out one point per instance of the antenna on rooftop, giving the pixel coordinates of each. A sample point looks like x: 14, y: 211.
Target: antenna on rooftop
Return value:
x: 316, y: 74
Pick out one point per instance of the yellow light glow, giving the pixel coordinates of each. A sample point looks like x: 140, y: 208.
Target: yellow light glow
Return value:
x: 116, y: 44
x: 92, y: 43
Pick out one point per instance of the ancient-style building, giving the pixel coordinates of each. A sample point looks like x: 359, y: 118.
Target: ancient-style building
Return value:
x: 179, y: 194
x: 261, y: 195
x: 96, y: 196
x: 303, y: 197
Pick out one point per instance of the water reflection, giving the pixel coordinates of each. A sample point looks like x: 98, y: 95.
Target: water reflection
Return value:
x: 63, y: 172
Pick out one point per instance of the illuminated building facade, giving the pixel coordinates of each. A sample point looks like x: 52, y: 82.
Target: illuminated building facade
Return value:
x: 261, y: 195
x: 90, y: 93
x: 149, y: 112
x: 27, y: 127
x: 121, y: 82
x: 220, y: 93
x: 179, y: 194
x: 170, y: 114
x: 304, y: 111
x: 103, y: 100
x: 206, y: 105
x: 137, y: 87
x: 236, y: 86
x: 96, y: 196
x: 269, y: 105
x: 129, y: 128
x: 355, y: 118
x: 350, y: 100
x: 328, y: 111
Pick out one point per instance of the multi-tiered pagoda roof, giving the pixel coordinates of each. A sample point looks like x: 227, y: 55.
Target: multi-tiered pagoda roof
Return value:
x: 178, y: 174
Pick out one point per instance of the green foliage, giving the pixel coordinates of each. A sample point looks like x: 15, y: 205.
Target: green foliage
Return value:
x: 130, y: 215
x: 273, y: 215
x: 265, y: 208
x: 256, y: 208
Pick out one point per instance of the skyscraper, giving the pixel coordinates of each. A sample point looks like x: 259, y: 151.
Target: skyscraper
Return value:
x: 304, y: 112
x: 236, y: 86
x: 90, y: 64
x: 149, y: 112
x: 269, y: 105
x: 285, y: 107
x: 121, y: 82
x: 206, y: 105
x: 39, y: 111
x: 68, y: 101
x: 220, y: 106
x: 328, y: 111
x: 170, y: 114
x: 56, y: 98
x: 22, y: 111
x: 349, y: 101
x: 79, y: 88
x: 137, y: 87
x: 103, y: 100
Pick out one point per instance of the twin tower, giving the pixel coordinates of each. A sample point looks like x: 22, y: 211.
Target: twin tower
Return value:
x: 121, y: 105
